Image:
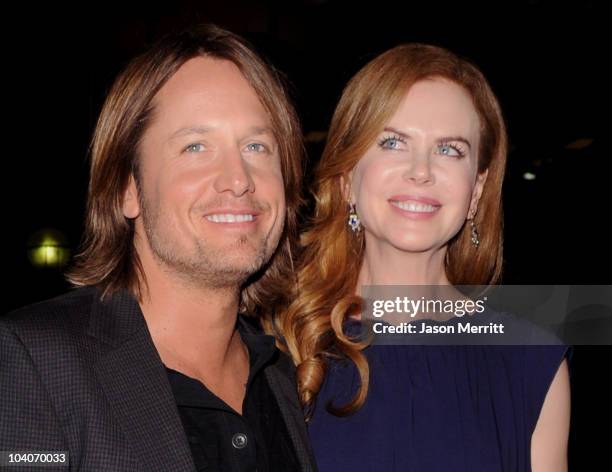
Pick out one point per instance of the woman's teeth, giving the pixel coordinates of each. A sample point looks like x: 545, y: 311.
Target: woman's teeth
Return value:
x: 416, y: 207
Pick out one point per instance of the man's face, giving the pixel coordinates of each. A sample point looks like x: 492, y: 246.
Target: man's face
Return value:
x: 211, y: 205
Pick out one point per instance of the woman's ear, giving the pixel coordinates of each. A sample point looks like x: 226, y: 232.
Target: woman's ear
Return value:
x: 345, y: 187
x: 131, y: 203
x: 481, y: 179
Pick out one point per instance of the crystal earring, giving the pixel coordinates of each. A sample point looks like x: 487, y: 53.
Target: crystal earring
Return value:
x: 353, y: 219
x: 475, y: 240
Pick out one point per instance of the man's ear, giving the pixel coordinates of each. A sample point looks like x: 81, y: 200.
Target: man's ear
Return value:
x: 131, y: 204
x: 481, y: 179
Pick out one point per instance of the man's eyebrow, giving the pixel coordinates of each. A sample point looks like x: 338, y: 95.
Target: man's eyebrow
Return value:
x: 191, y: 130
x: 253, y: 131
x: 443, y: 139
x: 260, y: 130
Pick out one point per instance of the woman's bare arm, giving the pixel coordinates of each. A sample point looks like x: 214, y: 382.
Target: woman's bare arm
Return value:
x: 549, y: 439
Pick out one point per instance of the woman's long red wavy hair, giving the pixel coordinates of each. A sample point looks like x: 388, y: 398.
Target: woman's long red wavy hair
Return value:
x: 310, y: 327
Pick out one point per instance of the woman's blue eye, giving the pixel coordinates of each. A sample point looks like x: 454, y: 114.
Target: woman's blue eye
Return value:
x: 196, y: 147
x: 390, y: 142
x: 450, y: 150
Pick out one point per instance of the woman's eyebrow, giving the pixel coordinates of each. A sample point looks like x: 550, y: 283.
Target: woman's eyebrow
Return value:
x: 396, y: 131
x: 446, y: 139
x: 439, y: 140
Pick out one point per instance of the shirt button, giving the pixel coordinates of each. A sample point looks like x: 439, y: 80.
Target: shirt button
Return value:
x: 239, y: 440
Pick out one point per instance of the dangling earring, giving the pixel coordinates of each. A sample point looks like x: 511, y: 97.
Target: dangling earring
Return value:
x: 475, y: 240
x: 353, y: 219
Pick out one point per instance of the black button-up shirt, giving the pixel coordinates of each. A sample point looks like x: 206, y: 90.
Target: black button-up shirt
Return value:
x: 223, y: 440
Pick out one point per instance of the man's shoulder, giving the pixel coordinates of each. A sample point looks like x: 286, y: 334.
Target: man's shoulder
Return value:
x: 67, y: 310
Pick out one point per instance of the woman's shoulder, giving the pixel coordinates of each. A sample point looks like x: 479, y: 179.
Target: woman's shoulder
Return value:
x: 526, y: 352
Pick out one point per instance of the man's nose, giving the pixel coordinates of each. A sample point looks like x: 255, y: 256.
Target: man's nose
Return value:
x: 234, y: 174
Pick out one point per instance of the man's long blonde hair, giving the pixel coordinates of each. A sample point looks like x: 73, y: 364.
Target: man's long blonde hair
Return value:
x: 108, y: 258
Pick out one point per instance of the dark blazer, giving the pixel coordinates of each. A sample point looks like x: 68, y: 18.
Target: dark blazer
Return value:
x: 83, y: 376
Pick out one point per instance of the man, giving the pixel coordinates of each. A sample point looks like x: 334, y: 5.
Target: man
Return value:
x: 191, y: 216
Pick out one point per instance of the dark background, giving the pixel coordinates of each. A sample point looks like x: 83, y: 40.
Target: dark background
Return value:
x: 545, y: 60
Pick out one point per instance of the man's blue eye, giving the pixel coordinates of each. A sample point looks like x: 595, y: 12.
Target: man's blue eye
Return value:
x: 196, y: 147
x: 256, y: 147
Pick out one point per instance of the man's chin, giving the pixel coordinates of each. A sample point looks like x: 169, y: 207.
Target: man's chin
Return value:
x: 234, y: 275
x: 244, y: 265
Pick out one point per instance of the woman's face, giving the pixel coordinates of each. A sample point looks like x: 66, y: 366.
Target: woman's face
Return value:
x: 416, y: 185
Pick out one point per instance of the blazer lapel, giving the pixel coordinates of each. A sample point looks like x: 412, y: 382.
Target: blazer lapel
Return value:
x: 284, y: 390
x: 282, y: 383
x: 135, y: 383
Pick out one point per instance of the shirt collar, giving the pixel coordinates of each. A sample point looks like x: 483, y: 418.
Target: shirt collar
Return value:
x: 261, y: 346
x: 262, y: 350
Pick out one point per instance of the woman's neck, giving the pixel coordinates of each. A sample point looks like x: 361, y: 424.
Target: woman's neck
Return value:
x: 386, y: 265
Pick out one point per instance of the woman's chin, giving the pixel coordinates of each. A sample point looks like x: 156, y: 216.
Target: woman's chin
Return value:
x: 413, y: 246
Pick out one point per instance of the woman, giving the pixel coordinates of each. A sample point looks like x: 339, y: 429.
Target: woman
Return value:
x: 409, y: 193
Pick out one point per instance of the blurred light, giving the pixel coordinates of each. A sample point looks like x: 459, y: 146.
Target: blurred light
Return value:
x: 529, y: 176
x: 47, y: 248
x: 579, y: 144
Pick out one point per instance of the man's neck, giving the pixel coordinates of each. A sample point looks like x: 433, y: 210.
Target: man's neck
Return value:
x: 190, y: 325
x: 194, y: 332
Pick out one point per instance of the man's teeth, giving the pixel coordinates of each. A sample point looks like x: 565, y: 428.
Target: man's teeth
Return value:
x: 229, y: 218
x: 413, y: 206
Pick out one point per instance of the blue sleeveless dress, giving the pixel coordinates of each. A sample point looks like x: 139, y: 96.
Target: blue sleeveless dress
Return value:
x: 470, y: 408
